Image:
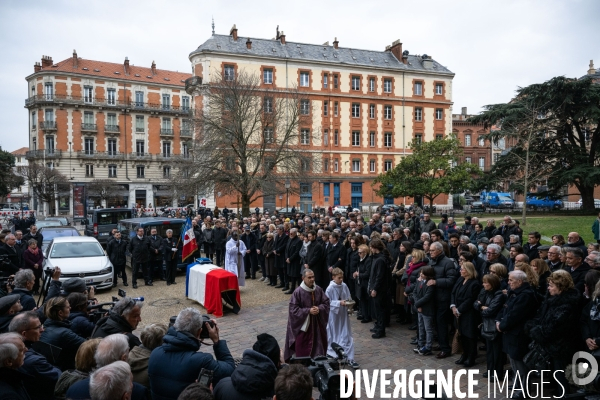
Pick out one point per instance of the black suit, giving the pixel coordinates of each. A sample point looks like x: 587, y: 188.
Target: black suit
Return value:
x: 14, y: 256
x: 140, y: 252
x: 292, y: 253
x: 315, y: 258
x: 38, y: 237
x: 279, y: 248
x: 156, y: 257
x: 336, y: 257
x: 116, y: 250
x: 171, y: 259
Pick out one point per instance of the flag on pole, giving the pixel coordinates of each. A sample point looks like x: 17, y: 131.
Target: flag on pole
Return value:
x: 189, y: 240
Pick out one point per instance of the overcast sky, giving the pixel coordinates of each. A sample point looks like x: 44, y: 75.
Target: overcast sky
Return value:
x: 493, y: 47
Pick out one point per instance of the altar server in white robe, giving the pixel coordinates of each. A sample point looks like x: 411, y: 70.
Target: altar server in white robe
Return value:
x: 234, y: 257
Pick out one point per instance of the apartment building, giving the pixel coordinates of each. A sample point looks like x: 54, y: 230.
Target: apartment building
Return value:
x: 101, y: 120
x: 366, y: 107
x: 476, y: 150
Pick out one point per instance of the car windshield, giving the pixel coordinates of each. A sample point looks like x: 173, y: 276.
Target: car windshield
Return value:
x: 76, y: 250
x: 41, y: 224
x: 50, y: 234
x: 504, y: 198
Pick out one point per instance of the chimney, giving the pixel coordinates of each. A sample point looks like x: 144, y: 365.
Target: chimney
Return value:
x: 46, y: 61
x: 233, y: 32
x: 427, y: 61
x: 396, y: 49
x: 388, y: 47
x: 592, y: 70
x: 335, y: 43
x: 282, y: 37
x: 126, y: 65
x: 37, y: 67
x: 249, y: 44
x: 153, y: 68
x: 405, y: 57
x: 463, y: 111
x: 75, y: 60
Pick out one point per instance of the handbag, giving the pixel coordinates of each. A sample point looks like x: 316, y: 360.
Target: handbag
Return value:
x: 537, y: 358
x: 488, y: 329
x: 456, y: 343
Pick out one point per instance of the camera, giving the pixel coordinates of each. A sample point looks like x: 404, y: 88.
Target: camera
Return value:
x: 205, y: 377
x: 203, y: 332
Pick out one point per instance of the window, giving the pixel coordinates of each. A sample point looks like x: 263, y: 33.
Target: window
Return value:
x: 439, y: 89
x: 482, y: 162
x: 166, y: 126
x: 304, y: 79
x: 387, y: 85
x: 496, y: 157
x: 387, y: 165
x: 326, y: 189
x: 335, y: 81
x: 268, y: 104
x: 112, y: 171
x: 89, y: 170
x: 139, y: 147
x: 140, y: 171
x: 268, y: 76
x: 304, y: 136
x: 418, y: 114
x: 372, y: 111
x: 356, y: 194
x: 48, y: 91
x: 185, y: 103
x: 229, y: 73
x: 325, y: 107
x: 336, y: 137
x: 326, y: 137
x: 111, y: 96
x: 419, y: 138
x: 112, y: 147
x: 166, y: 149
x: 325, y: 77
x: 372, y: 139
x: 304, y: 107
x: 439, y: 113
x: 89, y: 146
x: 269, y: 135
x: 418, y: 88
x: 326, y: 165
x: 139, y: 98
x: 467, y: 140
x: 33, y: 120
x: 355, y: 110
x: 356, y: 83
x: 166, y: 101
x: 387, y: 112
x: 88, y: 119
x: 481, y: 141
x: 305, y: 165
x: 501, y: 143
x: 49, y: 115
x: 355, y: 138
x: 336, y: 165
x: 111, y: 119
x: 371, y: 84
x: 88, y: 96
x: 335, y: 109
x: 468, y: 160
x: 387, y: 142
x: 185, y: 150
x: 139, y: 123
x: 166, y: 171
x: 372, y: 166
x: 49, y: 144
x: 439, y: 136
x: 355, y: 165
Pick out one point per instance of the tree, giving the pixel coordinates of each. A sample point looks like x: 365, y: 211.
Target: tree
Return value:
x: 8, y: 179
x: 105, y: 189
x: 45, y: 182
x: 554, y: 129
x: 431, y: 169
x: 248, y: 138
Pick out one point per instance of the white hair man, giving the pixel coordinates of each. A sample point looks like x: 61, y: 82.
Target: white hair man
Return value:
x: 112, y: 382
x: 12, y: 354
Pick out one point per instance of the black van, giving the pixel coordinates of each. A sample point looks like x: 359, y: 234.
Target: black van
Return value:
x: 101, y: 221
x: 128, y: 229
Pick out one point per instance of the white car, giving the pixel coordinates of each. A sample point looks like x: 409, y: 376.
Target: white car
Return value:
x: 596, y: 203
x: 80, y: 257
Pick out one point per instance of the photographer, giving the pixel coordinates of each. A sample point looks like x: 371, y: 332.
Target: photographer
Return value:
x: 24, y: 282
x: 177, y: 363
x: 123, y: 318
x: 79, y: 317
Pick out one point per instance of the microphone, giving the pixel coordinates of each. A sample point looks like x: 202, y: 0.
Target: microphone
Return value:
x: 138, y: 298
x: 339, y: 350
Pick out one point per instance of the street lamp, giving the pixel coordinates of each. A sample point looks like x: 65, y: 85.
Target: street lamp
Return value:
x: 287, y: 196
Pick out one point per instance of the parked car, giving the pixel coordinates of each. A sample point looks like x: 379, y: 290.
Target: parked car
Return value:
x: 596, y: 203
x: 476, y: 206
x: 51, y: 232
x: 536, y: 202
x: 63, y: 220
x: 389, y: 207
x: 80, y: 257
x: 100, y: 222
x: 497, y: 200
x: 47, y: 222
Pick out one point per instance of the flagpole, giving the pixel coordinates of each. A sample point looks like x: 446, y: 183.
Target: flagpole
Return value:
x: 178, y: 241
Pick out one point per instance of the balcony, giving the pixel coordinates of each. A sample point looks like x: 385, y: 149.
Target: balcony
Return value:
x: 48, y: 125
x: 87, y: 154
x: 166, y: 132
x: 185, y: 133
x: 90, y: 128
x: 41, y: 154
x: 140, y: 157
x: 112, y: 130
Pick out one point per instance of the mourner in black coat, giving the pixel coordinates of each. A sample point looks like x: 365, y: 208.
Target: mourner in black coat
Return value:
x: 315, y: 260
x: 465, y: 292
x: 139, y: 247
x: 156, y: 256
x: 293, y: 260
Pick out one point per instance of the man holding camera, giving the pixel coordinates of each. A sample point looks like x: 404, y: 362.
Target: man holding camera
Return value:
x: 123, y: 318
x: 178, y: 363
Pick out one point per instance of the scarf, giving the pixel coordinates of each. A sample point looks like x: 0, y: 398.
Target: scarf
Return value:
x: 34, y: 252
x: 412, y: 267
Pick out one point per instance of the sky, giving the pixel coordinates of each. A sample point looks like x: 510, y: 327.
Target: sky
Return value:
x: 493, y: 47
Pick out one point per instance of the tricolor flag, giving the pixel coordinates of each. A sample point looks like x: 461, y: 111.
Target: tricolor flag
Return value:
x: 189, y: 240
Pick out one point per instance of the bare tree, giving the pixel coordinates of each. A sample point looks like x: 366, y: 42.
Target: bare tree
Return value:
x: 45, y: 182
x: 105, y: 189
x: 249, y: 139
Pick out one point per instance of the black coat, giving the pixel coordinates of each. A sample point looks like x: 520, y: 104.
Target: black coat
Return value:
x: 292, y: 252
x: 315, y: 259
x: 12, y: 384
x: 463, y: 296
x: 445, y: 276
x: 253, y: 379
x: 115, y: 324
x: 220, y: 237
x: 27, y: 300
x: 39, y: 238
x: 279, y: 247
x: 532, y: 251
x: 14, y: 256
x: 167, y: 247
x: 494, y: 301
x: 81, y: 324
x: 521, y: 305
x: 364, y: 273
x: 590, y: 329
x: 156, y: 250
x: 116, y: 252
x: 59, y: 334
x: 336, y: 256
x: 42, y: 376
x: 424, y: 297
x: 578, y: 276
x: 81, y: 391
x: 379, y: 280
x: 139, y: 249
x: 553, y: 325
x: 351, y: 266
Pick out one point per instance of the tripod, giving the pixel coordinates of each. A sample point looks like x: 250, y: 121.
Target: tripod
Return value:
x: 45, y: 285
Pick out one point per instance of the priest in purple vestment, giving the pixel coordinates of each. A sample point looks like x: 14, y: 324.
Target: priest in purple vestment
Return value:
x: 307, y: 323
